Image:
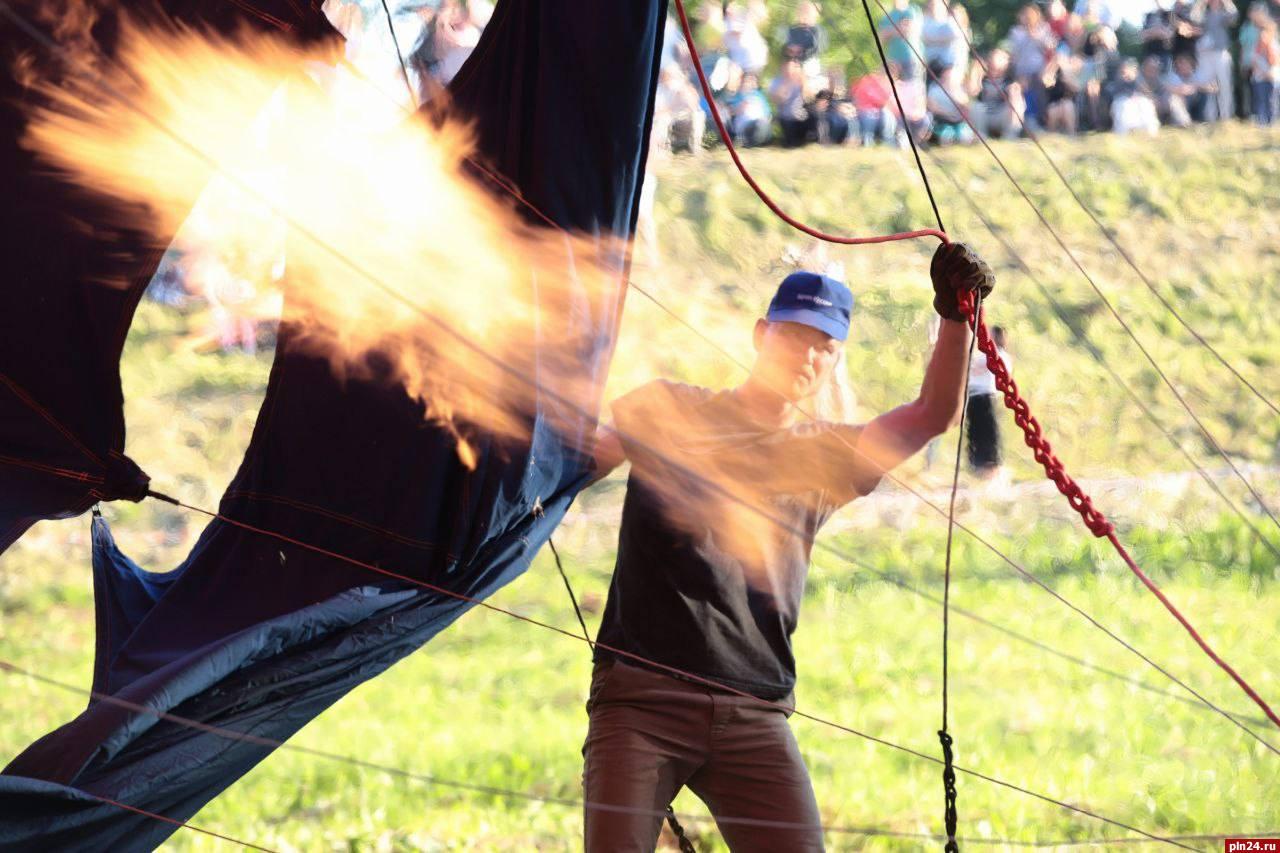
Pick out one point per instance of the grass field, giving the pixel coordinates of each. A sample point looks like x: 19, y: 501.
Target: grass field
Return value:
x: 495, y: 703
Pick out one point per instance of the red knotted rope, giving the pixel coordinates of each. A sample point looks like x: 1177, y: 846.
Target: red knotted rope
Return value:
x: 1081, y: 502
x: 1034, y: 436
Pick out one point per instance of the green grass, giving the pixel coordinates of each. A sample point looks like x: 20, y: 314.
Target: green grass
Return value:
x: 496, y: 703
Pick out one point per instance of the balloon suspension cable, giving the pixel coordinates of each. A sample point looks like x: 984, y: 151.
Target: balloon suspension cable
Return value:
x: 950, y: 815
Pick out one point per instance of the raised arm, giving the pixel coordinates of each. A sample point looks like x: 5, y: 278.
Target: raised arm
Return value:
x: 609, y: 453
x: 898, y: 434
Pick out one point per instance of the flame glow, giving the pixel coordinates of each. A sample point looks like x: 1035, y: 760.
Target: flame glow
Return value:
x: 395, y: 257
x: 399, y: 265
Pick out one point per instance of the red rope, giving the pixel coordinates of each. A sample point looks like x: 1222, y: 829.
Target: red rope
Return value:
x: 1081, y: 502
x: 174, y: 821
x: 727, y: 139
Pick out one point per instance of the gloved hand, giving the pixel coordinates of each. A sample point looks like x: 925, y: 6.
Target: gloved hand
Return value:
x: 956, y: 267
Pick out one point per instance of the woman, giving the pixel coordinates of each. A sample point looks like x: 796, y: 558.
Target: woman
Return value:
x: 1031, y: 46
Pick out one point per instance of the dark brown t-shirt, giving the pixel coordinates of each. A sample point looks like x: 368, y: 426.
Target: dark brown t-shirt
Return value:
x: 717, y: 528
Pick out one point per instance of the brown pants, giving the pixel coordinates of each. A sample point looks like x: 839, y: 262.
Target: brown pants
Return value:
x: 651, y: 734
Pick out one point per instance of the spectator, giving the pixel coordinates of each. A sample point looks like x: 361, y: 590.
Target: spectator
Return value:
x: 997, y: 99
x: 750, y: 119
x: 1248, y: 38
x: 742, y: 37
x: 948, y: 103
x: 1194, y: 90
x: 678, y: 117
x: 422, y: 59
x: 790, y: 103
x: 674, y: 47
x: 1101, y: 55
x: 1186, y: 28
x: 899, y: 30
x: 1263, y: 65
x: 982, y: 423
x: 1074, y: 36
x: 1062, y: 85
x: 1031, y: 44
x: 1057, y: 17
x: 941, y: 36
x: 831, y: 119
x: 1131, y: 107
x: 457, y: 33
x: 805, y: 40
x: 1171, y: 109
x: 1098, y: 10
x: 871, y: 99
x: 914, y: 116
x: 961, y: 16
x: 1157, y: 36
x: 1213, y: 53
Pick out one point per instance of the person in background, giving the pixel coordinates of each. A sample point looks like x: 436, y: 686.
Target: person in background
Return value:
x: 1187, y: 29
x: 1031, y: 46
x: 422, y: 58
x: 790, y: 98
x: 996, y: 103
x: 678, y: 119
x: 1101, y: 52
x: 1058, y: 18
x: 1195, y: 91
x: 872, y: 99
x: 1099, y: 10
x: 1263, y: 64
x: 750, y: 119
x: 805, y: 40
x: 941, y: 36
x: 982, y: 424
x: 961, y: 15
x: 1171, y: 109
x: 457, y: 32
x: 831, y: 122
x: 948, y: 103
x: 1062, y: 85
x: 899, y: 31
x: 1157, y: 36
x: 742, y: 37
x: 1213, y: 53
x: 914, y: 116
x: 1132, y: 108
x: 1074, y: 35
x: 1248, y: 37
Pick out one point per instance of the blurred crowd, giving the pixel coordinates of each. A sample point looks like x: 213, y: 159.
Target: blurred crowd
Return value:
x: 1057, y: 69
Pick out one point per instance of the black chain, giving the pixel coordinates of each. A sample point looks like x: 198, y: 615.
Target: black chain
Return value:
x: 949, y: 784
x: 686, y: 846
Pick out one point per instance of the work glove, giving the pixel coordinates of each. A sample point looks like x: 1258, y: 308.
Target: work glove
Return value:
x: 956, y: 267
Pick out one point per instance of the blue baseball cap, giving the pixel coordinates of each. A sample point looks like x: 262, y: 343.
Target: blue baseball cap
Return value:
x: 814, y: 300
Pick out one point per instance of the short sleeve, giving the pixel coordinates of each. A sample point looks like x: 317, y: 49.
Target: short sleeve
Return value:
x: 850, y: 474
x: 648, y: 418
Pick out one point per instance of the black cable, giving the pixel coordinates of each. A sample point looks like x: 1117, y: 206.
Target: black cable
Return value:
x: 586, y: 635
x: 884, y: 61
x: 950, y: 815
x: 413, y: 96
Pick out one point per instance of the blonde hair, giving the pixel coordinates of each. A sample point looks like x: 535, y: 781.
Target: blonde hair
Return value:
x: 835, y: 401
